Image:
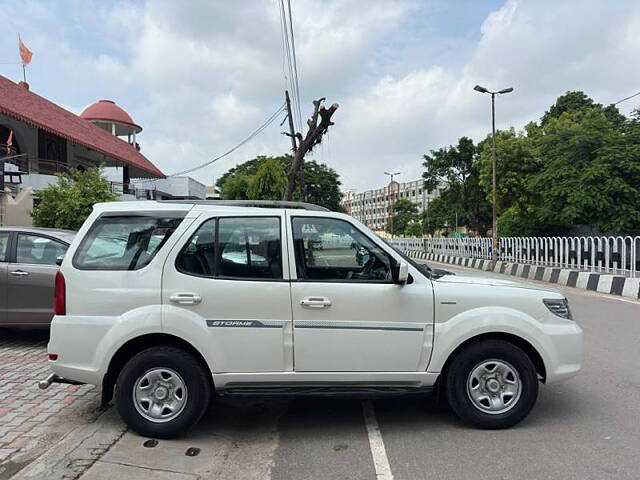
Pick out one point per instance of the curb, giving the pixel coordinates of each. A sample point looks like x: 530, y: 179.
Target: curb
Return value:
x: 77, y: 451
x: 596, y: 282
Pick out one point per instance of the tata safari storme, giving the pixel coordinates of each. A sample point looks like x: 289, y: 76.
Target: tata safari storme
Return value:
x: 166, y: 305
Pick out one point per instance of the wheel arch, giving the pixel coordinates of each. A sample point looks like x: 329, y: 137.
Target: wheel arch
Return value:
x: 516, y: 340
x: 137, y: 344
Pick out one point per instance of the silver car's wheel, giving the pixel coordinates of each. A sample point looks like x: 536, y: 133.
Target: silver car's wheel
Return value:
x: 160, y: 395
x: 494, y: 386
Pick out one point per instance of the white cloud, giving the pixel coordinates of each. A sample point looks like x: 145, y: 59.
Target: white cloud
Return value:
x: 200, y: 76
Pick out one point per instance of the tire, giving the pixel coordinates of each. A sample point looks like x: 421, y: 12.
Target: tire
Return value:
x: 472, y: 374
x: 178, y: 384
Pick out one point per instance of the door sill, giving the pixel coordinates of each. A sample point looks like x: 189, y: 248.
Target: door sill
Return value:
x: 349, y: 391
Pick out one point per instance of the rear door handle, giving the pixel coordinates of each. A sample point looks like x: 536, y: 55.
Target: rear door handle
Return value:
x: 315, y: 302
x: 19, y: 273
x: 185, y: 298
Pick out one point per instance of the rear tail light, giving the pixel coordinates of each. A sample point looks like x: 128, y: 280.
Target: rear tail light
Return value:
x: 53, y: 357
x: 60, y: 295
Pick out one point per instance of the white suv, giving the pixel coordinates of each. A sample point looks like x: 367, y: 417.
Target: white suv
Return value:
x: 173, y: 303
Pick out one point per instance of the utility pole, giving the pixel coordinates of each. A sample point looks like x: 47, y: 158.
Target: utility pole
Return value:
x: 494, y: 229
x: 306, y: 143
x: 294, y: 147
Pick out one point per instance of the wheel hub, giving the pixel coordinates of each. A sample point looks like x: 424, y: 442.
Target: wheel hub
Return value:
x: 494, y: 386
x: 160, y: 395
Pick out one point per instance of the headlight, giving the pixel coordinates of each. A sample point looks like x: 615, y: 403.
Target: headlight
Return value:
x: 559, y: 307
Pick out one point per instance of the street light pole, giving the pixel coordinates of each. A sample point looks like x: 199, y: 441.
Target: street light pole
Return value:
x: 390, y: 208
x: 494, y: 227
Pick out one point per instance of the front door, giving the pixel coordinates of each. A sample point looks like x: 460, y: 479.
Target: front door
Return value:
x: 349, y: 316
x: 30, y: 279
x: 4, y: 252
x: 228, y: 278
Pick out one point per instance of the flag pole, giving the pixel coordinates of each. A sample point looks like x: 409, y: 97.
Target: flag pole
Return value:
x: 24, y: 73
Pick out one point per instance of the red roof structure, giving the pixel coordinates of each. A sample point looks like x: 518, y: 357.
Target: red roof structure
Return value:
x: 19, y: 102
x: 108, y: 111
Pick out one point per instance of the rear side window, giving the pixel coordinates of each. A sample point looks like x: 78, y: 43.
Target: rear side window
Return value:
x: 124, y: 242
x: 237, y: 248
x: 250, y: 248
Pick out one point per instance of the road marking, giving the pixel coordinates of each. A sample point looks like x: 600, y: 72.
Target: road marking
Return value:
x: 378, y: 452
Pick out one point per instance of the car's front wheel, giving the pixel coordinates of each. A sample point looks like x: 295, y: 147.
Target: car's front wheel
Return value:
x: 162, y: 392
x: 492, y: 384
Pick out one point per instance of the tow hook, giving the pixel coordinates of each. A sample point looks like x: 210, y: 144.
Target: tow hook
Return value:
x: 53, y: 378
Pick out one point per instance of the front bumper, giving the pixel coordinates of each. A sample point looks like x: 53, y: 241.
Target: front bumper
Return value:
x: 563, y: 350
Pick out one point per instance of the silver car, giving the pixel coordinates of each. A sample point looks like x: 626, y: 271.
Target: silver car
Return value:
x: 27, y: 271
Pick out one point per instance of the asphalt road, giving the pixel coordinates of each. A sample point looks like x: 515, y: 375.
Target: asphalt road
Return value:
x: 585, y: 428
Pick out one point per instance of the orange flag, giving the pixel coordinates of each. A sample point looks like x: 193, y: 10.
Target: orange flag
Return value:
x: 25, y: 53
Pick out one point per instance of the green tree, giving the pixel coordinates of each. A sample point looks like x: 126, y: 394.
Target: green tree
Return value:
x: 236, y: 187
x: 405, y: 212
x: 68, y: 202
x: 455, y: 169
x: 268, y: 182
x: 322, y: 183
x: 589, y: 176
x: 414, y: 229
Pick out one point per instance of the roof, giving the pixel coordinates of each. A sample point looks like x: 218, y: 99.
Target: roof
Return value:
x: 26, y: 106
x: 108, y: 111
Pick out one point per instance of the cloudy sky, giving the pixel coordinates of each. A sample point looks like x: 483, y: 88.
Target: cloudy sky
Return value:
x: 199, y: 76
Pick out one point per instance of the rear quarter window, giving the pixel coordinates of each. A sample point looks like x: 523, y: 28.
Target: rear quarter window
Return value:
x: 124, y: 242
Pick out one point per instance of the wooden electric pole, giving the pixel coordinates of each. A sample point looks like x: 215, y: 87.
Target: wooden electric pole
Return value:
x: 306, y: 143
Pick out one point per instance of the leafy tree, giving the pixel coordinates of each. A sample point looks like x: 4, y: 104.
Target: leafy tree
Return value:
x: 414, y: 229
x: 236, y: 187
x: 440, y: 214
x: 322, y: 183
x: 405, y: 212
x: 575, y: 101
x: 456, y: 168
x: 590, y: 174
x: 68, y: 202
x: 269, y: 181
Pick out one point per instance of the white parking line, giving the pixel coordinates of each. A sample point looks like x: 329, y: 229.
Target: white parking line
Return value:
x: 378, y: 452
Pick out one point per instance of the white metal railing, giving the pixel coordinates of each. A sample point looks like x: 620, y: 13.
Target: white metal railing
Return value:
x: 618, y: 255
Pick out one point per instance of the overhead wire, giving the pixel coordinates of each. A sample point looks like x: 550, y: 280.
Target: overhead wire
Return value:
x: 627, y: 98
x: 251, y: 136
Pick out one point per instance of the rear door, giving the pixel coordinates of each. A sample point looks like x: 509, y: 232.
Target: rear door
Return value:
x: 228, y: 279
x: 4, y: 252
x: 30, y: 278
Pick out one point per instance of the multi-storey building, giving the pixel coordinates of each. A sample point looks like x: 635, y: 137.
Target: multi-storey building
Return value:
x: 373, y: 207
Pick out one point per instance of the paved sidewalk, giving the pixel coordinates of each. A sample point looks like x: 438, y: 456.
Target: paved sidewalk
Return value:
x: 31, y: 420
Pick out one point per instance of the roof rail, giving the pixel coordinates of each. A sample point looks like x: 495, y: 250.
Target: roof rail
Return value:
x: 253, y: 203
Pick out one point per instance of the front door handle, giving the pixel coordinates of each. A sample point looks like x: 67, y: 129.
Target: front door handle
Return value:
x: 315, y: 302
x: 186, y: 298
x: 19, y: 273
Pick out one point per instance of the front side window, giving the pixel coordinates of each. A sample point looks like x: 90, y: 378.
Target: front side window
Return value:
x: 34, y: 249
x: 333, y: 250
x: 198, y: 255
x: 4, y: 244
x: 123, y: 242
x: 249, y: 247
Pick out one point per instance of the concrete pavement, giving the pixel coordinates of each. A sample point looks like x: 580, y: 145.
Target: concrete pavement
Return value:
x: 585, y: 428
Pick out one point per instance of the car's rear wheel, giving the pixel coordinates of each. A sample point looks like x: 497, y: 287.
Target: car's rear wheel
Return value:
x: 491, y: 384
x: 162, y: 391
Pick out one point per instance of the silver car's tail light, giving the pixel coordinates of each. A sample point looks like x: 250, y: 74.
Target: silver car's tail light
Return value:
x: 559, y: 307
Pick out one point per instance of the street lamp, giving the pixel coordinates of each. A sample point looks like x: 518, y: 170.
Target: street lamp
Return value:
x: 478, y: 88
x: 390, y: 209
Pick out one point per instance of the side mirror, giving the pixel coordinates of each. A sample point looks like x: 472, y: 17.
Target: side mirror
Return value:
x: 401, y: 273
x: 59, y: 260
